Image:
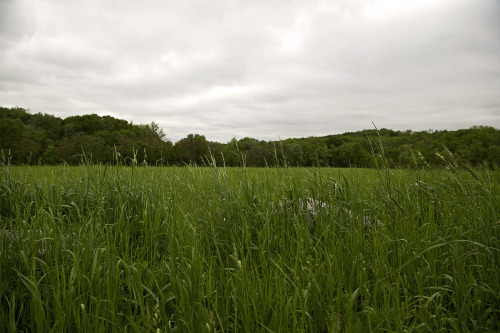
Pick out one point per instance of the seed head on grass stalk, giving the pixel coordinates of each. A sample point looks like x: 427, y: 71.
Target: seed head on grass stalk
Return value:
x: 234, y: 257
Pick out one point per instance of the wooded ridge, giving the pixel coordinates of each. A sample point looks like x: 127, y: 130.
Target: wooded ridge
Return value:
x: 27, y: 138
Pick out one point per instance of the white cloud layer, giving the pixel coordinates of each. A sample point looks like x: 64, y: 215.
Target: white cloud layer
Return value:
x: 256, y: 68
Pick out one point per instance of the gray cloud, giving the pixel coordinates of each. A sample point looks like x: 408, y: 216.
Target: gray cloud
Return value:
x: 256, y: 68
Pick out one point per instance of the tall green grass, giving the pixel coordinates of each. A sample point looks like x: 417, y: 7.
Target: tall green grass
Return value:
x: 194, y: 249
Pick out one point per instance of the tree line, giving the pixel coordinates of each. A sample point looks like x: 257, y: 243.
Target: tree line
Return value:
x: 31, y: 139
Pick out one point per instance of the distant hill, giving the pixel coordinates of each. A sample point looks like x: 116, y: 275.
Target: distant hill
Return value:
x: 27, y: 138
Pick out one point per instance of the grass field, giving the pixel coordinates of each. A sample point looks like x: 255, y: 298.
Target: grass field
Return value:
x: 205, y: 249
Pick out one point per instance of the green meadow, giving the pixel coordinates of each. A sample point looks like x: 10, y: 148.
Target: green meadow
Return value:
x: 215, y: 249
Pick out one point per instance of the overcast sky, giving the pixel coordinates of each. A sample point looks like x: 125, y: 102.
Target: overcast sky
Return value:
x: 258, y: 68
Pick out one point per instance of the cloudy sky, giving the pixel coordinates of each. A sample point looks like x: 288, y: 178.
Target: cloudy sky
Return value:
x: 258, y: 68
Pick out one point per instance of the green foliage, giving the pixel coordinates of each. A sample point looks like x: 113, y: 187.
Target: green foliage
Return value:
x: 43, y: 138
x: 193, y: 148
x: 46, y: 139
x: 11, y: 131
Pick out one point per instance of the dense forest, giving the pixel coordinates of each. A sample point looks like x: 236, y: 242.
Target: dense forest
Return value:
x: 27, y: 138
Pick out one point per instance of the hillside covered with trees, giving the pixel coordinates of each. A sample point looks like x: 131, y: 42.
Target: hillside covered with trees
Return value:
x: 27, y: 138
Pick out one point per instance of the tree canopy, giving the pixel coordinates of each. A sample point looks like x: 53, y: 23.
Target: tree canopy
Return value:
x: 28, y: 138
